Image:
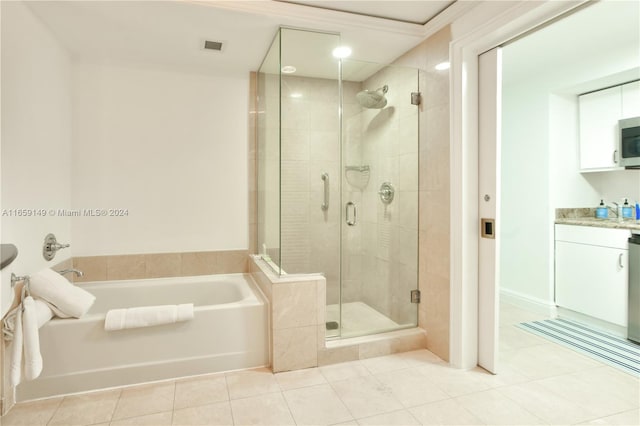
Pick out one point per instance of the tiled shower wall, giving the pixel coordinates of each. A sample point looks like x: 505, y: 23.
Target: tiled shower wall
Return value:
x: 310, y: 137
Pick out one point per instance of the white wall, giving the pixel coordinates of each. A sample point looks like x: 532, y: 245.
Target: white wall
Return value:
x: 169, y: 147
x: 36, y: 139
x: 525, y: 192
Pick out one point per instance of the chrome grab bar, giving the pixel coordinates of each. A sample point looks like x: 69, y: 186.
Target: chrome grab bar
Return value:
x: 346, y: 213
x: 325, y: 179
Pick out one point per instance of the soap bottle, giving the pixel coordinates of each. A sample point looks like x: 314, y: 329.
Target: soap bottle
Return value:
x: 627, y: 210
x: 637, y: 211
x: 601, y: 211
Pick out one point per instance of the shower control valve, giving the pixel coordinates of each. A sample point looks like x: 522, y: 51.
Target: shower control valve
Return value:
x: 386, y: 192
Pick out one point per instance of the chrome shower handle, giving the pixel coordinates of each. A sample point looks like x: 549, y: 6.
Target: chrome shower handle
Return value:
x: 325, y: 179
x: 346, y: 213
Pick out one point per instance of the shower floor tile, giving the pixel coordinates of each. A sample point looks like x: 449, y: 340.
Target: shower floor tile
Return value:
x: 358, y: 318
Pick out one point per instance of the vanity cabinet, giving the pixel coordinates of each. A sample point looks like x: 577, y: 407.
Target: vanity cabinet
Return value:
x: 591, y: 271
x: 599, y: 115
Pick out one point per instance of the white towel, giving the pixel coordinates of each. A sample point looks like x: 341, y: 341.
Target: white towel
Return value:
x: 146, y: 316
x: 43, y: 312
x: 15, y: 369
x: 31, y: 339
x: 65, y: 299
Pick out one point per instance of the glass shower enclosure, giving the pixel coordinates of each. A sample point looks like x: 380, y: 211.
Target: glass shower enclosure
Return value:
x: 338, y: 179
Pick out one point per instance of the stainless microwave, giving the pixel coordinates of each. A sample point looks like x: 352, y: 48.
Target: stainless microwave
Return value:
x: 630, y: 142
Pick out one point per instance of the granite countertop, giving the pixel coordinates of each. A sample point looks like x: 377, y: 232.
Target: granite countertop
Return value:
x: 586, y: 217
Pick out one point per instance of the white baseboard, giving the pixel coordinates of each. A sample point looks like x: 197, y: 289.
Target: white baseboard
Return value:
x: 533, y: 304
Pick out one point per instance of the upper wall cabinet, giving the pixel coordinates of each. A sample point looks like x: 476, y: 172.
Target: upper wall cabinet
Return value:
x: 599, y: 115
x: 631, y: 100
x: 599, y: 132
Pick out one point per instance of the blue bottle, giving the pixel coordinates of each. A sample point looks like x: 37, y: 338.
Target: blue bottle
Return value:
x: 601, y: 211
x: 627, y: 210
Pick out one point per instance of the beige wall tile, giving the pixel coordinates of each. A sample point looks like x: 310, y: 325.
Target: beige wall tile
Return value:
x: 294, y: 304
x: 127, y: 267
x: 199, y: 263
x: 321, y: 300
x: 232, y: 261
x: 161, y: 265
x: 94, y: 268
x: 295, y: 348
x: 409, y: 343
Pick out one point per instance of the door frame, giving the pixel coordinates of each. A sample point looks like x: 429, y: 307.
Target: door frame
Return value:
x: 472, y: 36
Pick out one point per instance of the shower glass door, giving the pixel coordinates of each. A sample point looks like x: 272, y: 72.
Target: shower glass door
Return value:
x: 379, y: 168
x: 338, y: 179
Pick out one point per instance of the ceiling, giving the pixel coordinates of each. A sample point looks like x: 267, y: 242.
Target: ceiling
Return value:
x: 415, y: 12
x: 596, y: 47
x: 172, y: 33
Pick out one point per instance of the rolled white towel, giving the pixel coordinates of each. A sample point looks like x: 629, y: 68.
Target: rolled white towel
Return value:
x: 64, y: 298
x: 43, y: 312
x: 15, y: 368
x: 146, y: 316
x: 31, y: 339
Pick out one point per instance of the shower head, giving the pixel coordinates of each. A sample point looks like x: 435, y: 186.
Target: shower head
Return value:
x: 373, y: 98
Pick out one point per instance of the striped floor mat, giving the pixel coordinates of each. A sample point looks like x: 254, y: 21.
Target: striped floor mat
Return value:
x: 612, y: 350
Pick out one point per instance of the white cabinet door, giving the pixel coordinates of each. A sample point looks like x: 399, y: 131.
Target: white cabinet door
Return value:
x: 599, y: 115
x: 631, y: 100
x: 592, y: 280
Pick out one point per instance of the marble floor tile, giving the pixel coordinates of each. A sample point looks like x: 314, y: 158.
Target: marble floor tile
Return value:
x: 410, y: 387
x: 493, y: 408
x: 200, y: 391
x: 401, y: 418
x: 613, y: 382
x: 547, y: 360
x: 420, y: 357
x: 446, y: 412
x: 626, y: 418
x: 385, y: 363
x: 143, y: 400
x: 452, y: 381
x: 300, y: 378
x: 366, y: 396
x: 86, y: 409
x: 210, y: 414
x: 157, y: 419
x: 32, y: 413
x: 269, y: 409
x: 242, y: 384
x: 316, y: 405
x: 596, y: 400
x: 554, y: 409
x: 512, y: 337
x: 344, y: 370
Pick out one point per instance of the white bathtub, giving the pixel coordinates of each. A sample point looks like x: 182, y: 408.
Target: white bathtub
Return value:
x: 229, y: 331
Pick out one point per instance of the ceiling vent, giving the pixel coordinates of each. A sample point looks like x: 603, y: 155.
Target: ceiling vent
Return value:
x: 213, y: 45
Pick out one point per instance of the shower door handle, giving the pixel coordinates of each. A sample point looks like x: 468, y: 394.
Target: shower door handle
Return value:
x: 346, y: 213
x: 325, y: 179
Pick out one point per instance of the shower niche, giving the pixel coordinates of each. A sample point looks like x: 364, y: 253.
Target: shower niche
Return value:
x: 333, y: 133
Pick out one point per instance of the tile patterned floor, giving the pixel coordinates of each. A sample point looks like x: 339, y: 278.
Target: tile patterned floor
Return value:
x: 540, y: 383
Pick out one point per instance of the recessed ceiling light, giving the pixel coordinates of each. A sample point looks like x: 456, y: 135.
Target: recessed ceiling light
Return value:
x: 288, y: 69
x: 443, y: 66
x: 341, y: 52
x: 295, y: 95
